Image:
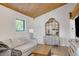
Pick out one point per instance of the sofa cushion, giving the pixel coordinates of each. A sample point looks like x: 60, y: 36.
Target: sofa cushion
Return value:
x: 16, y: 42
x: 19, y: 41
x: 24, y: 40
x: 24, y: 48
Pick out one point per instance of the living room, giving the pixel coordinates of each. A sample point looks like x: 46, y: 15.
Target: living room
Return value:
x: 33, y: 27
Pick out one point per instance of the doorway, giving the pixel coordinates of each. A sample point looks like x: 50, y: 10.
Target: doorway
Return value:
x: 77, y: 26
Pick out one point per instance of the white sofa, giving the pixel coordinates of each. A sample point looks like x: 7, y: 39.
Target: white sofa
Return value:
x: 24, y: 45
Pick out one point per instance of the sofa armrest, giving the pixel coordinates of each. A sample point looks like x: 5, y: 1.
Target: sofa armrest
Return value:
x: 34, y: 40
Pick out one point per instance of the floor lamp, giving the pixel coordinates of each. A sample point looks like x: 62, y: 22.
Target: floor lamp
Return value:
x: 31, y: 31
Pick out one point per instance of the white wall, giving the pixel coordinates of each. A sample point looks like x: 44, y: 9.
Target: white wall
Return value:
x: 62, y: 16
x: 72, y: 28
x: 8, y: 28
x: 8, y: 24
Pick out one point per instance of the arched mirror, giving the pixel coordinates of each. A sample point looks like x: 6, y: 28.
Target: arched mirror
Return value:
x: 52, y: 27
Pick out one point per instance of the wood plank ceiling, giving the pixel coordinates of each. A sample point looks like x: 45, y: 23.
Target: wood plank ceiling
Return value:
x: 33, y: 9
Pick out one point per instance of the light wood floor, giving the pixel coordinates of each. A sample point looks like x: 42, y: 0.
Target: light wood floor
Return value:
x: 59, y: 51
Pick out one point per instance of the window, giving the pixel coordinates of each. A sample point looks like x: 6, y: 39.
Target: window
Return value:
x: 20, y: 25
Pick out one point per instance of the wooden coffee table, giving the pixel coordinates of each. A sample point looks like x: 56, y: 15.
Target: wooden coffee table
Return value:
x: 42, y: 50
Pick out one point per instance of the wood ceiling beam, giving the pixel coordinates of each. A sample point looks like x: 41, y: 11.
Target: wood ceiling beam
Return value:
x: 74, y: 12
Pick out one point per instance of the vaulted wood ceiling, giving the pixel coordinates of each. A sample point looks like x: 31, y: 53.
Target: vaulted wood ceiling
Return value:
x: 33, y: 9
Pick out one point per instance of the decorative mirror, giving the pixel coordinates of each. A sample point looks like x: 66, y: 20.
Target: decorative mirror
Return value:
x: 52, y: 27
